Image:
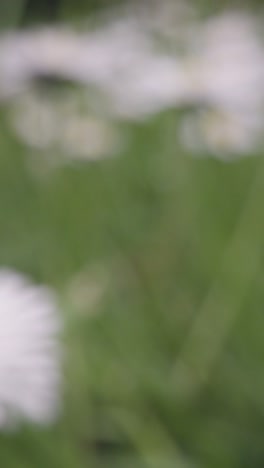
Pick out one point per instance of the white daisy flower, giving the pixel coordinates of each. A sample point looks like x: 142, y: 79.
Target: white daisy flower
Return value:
x: 85, y: 138
x: 30, y: 54
x: 35, y: 121
x: 230, y: 62
x: 227, y: 70
x: 29, y: 351
x: 221, y: 134
x: 63, y: 128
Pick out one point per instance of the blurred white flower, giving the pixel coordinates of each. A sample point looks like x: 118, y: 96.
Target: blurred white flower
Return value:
x: 27, y: 55
x: 88, y: 138
x: 63, y: 128
x: 227, y: 70
x: 35, y: 121
x: 150, y: 87
x: 224, y: 135
x: 216, y: 63
x: 29, y: 351
x: 230, y: 63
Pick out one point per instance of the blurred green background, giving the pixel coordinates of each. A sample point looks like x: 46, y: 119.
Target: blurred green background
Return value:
x: 168, y: 370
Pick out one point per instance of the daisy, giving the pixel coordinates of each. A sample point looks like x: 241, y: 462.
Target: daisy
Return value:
x: 230, y: 62
x: 225, y: 135
x: 63, y: 129
x: 226, y: 66
x: 29, y: 351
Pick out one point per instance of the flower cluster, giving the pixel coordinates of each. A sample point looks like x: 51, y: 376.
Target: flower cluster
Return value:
x: 134, y: 65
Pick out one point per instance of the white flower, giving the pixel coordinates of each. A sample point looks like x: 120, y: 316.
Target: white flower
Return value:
x: 62, y: 128
x: 29, y: 351
x: 221, y: 134
x: 35, y: 121
x: 227, y: 70
x: 230, y: 62
x: 85, y: 138
x: 30, y: 54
